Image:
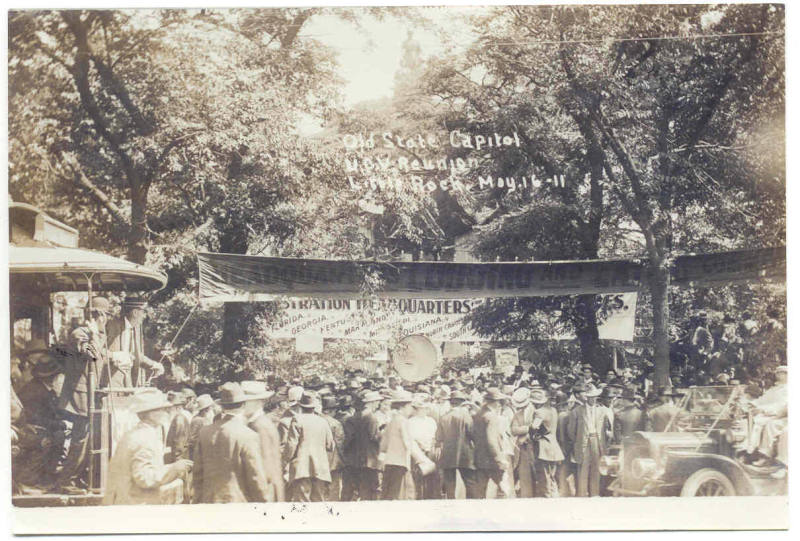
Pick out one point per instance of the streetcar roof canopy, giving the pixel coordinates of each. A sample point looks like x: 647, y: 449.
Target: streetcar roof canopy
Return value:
x: 44, y: 252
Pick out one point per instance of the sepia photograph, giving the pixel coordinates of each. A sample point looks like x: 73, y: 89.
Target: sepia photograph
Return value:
x: 330, y: 262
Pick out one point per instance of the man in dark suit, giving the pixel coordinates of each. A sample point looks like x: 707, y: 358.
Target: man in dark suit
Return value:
x: 491, y: 460
x: 310, y: 441
x: 257, y: 420
x: 457, y: 454
x: 48, y: 431
x: 177, y: 443
x: 629, y: 418
x: 335, y: 457
x: 365, y: 447
x: 228, y: 467
x: 86, y: 352
x: 659, y: 418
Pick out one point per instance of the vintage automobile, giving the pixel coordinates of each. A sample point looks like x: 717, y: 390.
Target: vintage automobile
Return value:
x: 699, y: 454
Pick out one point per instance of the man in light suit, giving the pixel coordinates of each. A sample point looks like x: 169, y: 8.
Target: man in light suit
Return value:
x: 457, y: 454
x: 137, y: 472
x: 129, y: 366
x: 589, y: 430
x: 491, y: 460
x: 548, y: 453
x: 524, y: 456
x: 258, y: 421
x: 310, y: 441
x: 228, y: 466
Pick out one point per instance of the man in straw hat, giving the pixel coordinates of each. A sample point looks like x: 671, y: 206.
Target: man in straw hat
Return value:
x: 257, y: 394
x: 491, y: 459
x: 566, y: 469
x: 589, y: 430
x: 130, y: 367
x: 228, y: 465
x: 137, y: 471
x: 310, y: 441
x: 456, y: 453
x: 396, y: 447
x: 524, y: 457
x: 87, y: 353
x: 548, y: 453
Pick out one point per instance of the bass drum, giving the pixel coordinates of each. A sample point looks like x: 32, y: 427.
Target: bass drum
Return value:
x: 415, y: 357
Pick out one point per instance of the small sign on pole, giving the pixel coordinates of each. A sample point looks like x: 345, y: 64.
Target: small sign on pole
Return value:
x: 506, y: 359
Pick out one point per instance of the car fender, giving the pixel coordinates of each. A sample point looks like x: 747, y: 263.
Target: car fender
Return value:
x: 680, y: 465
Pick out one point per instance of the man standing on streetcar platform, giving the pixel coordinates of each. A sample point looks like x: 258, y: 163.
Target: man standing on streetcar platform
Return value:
x: 87, y: 352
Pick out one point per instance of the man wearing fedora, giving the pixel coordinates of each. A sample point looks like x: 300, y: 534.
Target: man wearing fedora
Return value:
x: 566, y: 469
x: 48, y: 432
x: 629, y: 418
x: 335, y: 457
x: 137, y: 471
x: 396, y: 447
x: 203, y: 417
x: 87, y: 353
x: 178, y: 432
x: 228, y: 466
x: 547, y: 452
x: 659, y: 417
x: 589, y: 431
x: 258, y: 421
x: 456, y: 448
x: 365, y: 448
x: 310, y: 441
x: 130, y: 367
x: 491, y: 459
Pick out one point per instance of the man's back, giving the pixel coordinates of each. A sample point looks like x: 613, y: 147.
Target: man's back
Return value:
x: 228, y: 466
x: 455, y: 437
x: 137, y: 468
x: 488, y: 437
x: 310, y: 451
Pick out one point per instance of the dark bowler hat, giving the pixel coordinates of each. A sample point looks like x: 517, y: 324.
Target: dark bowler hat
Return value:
x: 493, y: 393
x: 308, y: 401
x: 329, y: 402
x: 231, y: 393
x: 628, y: 394
x: 134, y: 302
x: 46, y: 368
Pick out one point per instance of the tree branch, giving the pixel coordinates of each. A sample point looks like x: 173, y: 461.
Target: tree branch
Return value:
x: 117, y: 87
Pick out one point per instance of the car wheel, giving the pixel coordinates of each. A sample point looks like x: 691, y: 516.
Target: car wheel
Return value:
x: 708, y: 482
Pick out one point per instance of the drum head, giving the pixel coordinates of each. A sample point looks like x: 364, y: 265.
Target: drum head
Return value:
x: 415, y: 357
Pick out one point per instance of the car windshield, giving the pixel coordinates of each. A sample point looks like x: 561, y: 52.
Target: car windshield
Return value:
x: 702, y: 406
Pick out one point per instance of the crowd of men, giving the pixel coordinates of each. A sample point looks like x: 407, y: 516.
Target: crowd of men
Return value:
x: 538, y: 433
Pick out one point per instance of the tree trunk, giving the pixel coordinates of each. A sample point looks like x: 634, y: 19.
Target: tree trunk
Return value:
x: 659, y: 291
x: 137, y: 238
x: 588, y: 334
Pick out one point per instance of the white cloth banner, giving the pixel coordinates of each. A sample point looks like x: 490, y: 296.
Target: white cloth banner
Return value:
x: 439, y: 320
